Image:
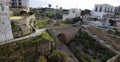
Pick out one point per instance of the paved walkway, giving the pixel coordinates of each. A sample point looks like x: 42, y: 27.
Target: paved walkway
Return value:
x: 37, y: 33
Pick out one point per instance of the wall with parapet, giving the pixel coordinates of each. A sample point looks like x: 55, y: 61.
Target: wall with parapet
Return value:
x: 103, y: 34
x: 69, y: 32
x: 110, y: 39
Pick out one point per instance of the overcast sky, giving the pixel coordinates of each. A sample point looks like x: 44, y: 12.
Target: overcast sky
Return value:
x: 81, y: 4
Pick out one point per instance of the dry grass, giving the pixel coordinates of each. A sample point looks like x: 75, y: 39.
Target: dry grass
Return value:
x: 16, y: 17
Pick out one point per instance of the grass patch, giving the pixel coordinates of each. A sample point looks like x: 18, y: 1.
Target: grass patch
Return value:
x: 16, y: 17
x: 23, y: 51
x: 117, y: 34
x: 46, y: 36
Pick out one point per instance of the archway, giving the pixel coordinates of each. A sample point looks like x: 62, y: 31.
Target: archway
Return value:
x: 62, y: 37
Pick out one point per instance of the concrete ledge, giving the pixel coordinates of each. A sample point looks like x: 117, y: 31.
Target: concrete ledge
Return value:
x: 114, y: 59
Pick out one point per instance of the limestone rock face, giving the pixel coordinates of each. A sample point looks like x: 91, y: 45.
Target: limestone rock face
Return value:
x: 24, y: 26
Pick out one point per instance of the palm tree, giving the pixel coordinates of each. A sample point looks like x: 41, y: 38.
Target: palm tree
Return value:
x: 60, y: 7
x: 57, y: 6
x: 49, y: 5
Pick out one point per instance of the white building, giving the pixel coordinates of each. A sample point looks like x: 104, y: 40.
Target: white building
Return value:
x: 5, y: 25
x: 72, y: 13
x: 20, y: 3
x: 101, y: 10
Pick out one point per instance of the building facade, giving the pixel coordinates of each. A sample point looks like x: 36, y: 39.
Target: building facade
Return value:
x: 20, y: 3
x: 5, y: 25
x: 16, y: 6
x: 72, y: 13
x: 117, y: 9
x: 101, y: 10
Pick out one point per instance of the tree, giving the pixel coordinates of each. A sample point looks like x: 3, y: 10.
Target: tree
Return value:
x: 76, y: 19
x: 117, y: 13
x: 49, y: 5
x: 85, y: 12
x: 60, y: 7
x: 82, y: 13
x: 57, y: 6
x: 57, y: 56
x: 59, y: 16
x: 23, y: 12
x: 112, y: 22
x: 30, y: 13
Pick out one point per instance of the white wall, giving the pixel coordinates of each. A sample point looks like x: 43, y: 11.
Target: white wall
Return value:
x: 5, y: 25
x: 25, y: 3
x: 106, y: 9
x: 99, y: 15
x: 118, y: 23
x: 72, y: 14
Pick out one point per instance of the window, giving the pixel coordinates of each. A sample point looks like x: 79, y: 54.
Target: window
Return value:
x: 20, y: 4
x: 100, y: 9
x: 73, y: 11
x: 105, y: 9
x: 111, y: 10
x: 108, y: 9
x: 96, y: 9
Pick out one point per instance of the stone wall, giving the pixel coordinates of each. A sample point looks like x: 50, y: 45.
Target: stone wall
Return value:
x: 69, y: 32
x: 114, y: 59
x: 103, y: 34
x: 19, y: 49
x: 16, y: 11
x: 27, y: 24
x: 110, y: 39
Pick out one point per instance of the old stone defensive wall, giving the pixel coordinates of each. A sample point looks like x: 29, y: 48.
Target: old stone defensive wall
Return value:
x: 102, y: 33
x: 110, y: 39
x: 67, y: 32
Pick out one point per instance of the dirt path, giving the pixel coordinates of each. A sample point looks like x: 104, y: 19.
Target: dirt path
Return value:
x: 63, y: 47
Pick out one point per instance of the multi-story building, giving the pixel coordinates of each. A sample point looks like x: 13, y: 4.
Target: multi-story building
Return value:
x: 20, y: 3
x: 72, y: 13
x: 5, y: 25
x: 16, y: 6
x: 101, y: 10
x: 117, y: 9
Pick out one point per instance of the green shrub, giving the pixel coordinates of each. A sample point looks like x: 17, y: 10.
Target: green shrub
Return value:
x: 23, y: 12
x: 46, y: 36
x: 30, y: 13
x: 57, y: 56
x: 93, y: 49
x: 42, y: 59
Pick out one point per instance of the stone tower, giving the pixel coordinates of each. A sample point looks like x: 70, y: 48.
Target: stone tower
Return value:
x: 5, y: 25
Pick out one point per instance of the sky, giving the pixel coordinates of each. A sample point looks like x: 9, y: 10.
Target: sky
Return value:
x: 67, y: 4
